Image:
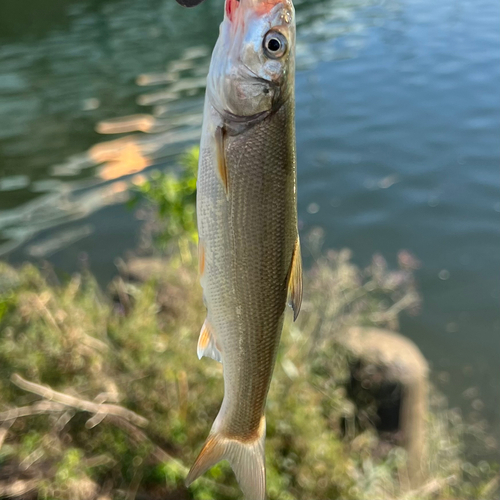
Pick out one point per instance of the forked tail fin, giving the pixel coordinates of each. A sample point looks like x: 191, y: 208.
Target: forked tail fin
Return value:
x: 247, y: 459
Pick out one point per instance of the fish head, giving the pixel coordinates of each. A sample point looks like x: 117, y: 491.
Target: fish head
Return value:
x: 253, y: 63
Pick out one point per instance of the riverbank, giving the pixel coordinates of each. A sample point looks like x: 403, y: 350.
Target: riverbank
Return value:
x: 102, y: 394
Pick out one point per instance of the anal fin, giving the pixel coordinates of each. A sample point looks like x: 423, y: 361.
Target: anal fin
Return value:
x: 207, y: 345
x: 295, y: 280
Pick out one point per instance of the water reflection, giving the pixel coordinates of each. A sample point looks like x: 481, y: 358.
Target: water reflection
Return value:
x: 53, y: 89
x: 92, y: 71
x: 126, y: 124
x: 163, y: 136
x: 323, y: 28
x: 126, y: 159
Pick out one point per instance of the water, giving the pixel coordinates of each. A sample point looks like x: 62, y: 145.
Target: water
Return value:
x: 398, y: 139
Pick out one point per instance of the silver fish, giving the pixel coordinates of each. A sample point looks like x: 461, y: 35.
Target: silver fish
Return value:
x: 249, y: 250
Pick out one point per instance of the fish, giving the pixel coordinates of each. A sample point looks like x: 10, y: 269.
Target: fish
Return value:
x: 250, y: 261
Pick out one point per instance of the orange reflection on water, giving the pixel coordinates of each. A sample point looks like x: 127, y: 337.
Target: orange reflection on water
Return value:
x: 139, y: 179
x: 125, y: 124
x: 118, y: 187
x: 121, y: 157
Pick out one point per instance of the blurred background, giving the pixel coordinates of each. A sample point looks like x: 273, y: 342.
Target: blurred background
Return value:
x: 398, y: 141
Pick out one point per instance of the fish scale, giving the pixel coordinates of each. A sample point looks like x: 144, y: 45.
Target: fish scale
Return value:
x: 262, y: 224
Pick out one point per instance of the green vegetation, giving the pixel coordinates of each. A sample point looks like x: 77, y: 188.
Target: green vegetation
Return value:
x: 141, y: 403
x: 173, y: 194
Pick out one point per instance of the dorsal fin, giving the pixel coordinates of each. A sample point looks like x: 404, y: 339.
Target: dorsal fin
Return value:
x: 207, y: 345
x: 295, y: 280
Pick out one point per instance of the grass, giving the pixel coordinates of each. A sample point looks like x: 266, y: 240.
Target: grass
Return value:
x: 76, y: 340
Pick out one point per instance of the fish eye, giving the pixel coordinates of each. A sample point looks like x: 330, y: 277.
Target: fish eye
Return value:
x: 275, y: 44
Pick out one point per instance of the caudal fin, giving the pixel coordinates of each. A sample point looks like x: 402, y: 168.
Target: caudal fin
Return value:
x: 247, y: 459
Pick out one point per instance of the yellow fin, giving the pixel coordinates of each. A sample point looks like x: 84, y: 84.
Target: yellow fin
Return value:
x: 207, y: 345
x: 220, y: 134
x: 295, y: 280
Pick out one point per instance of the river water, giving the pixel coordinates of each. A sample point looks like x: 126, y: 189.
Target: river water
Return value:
x: 398, y: 140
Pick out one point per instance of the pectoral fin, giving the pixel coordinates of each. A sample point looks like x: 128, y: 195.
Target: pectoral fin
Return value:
x: 295, y: 280
x: 220, y: 134
x: 207, y: 345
